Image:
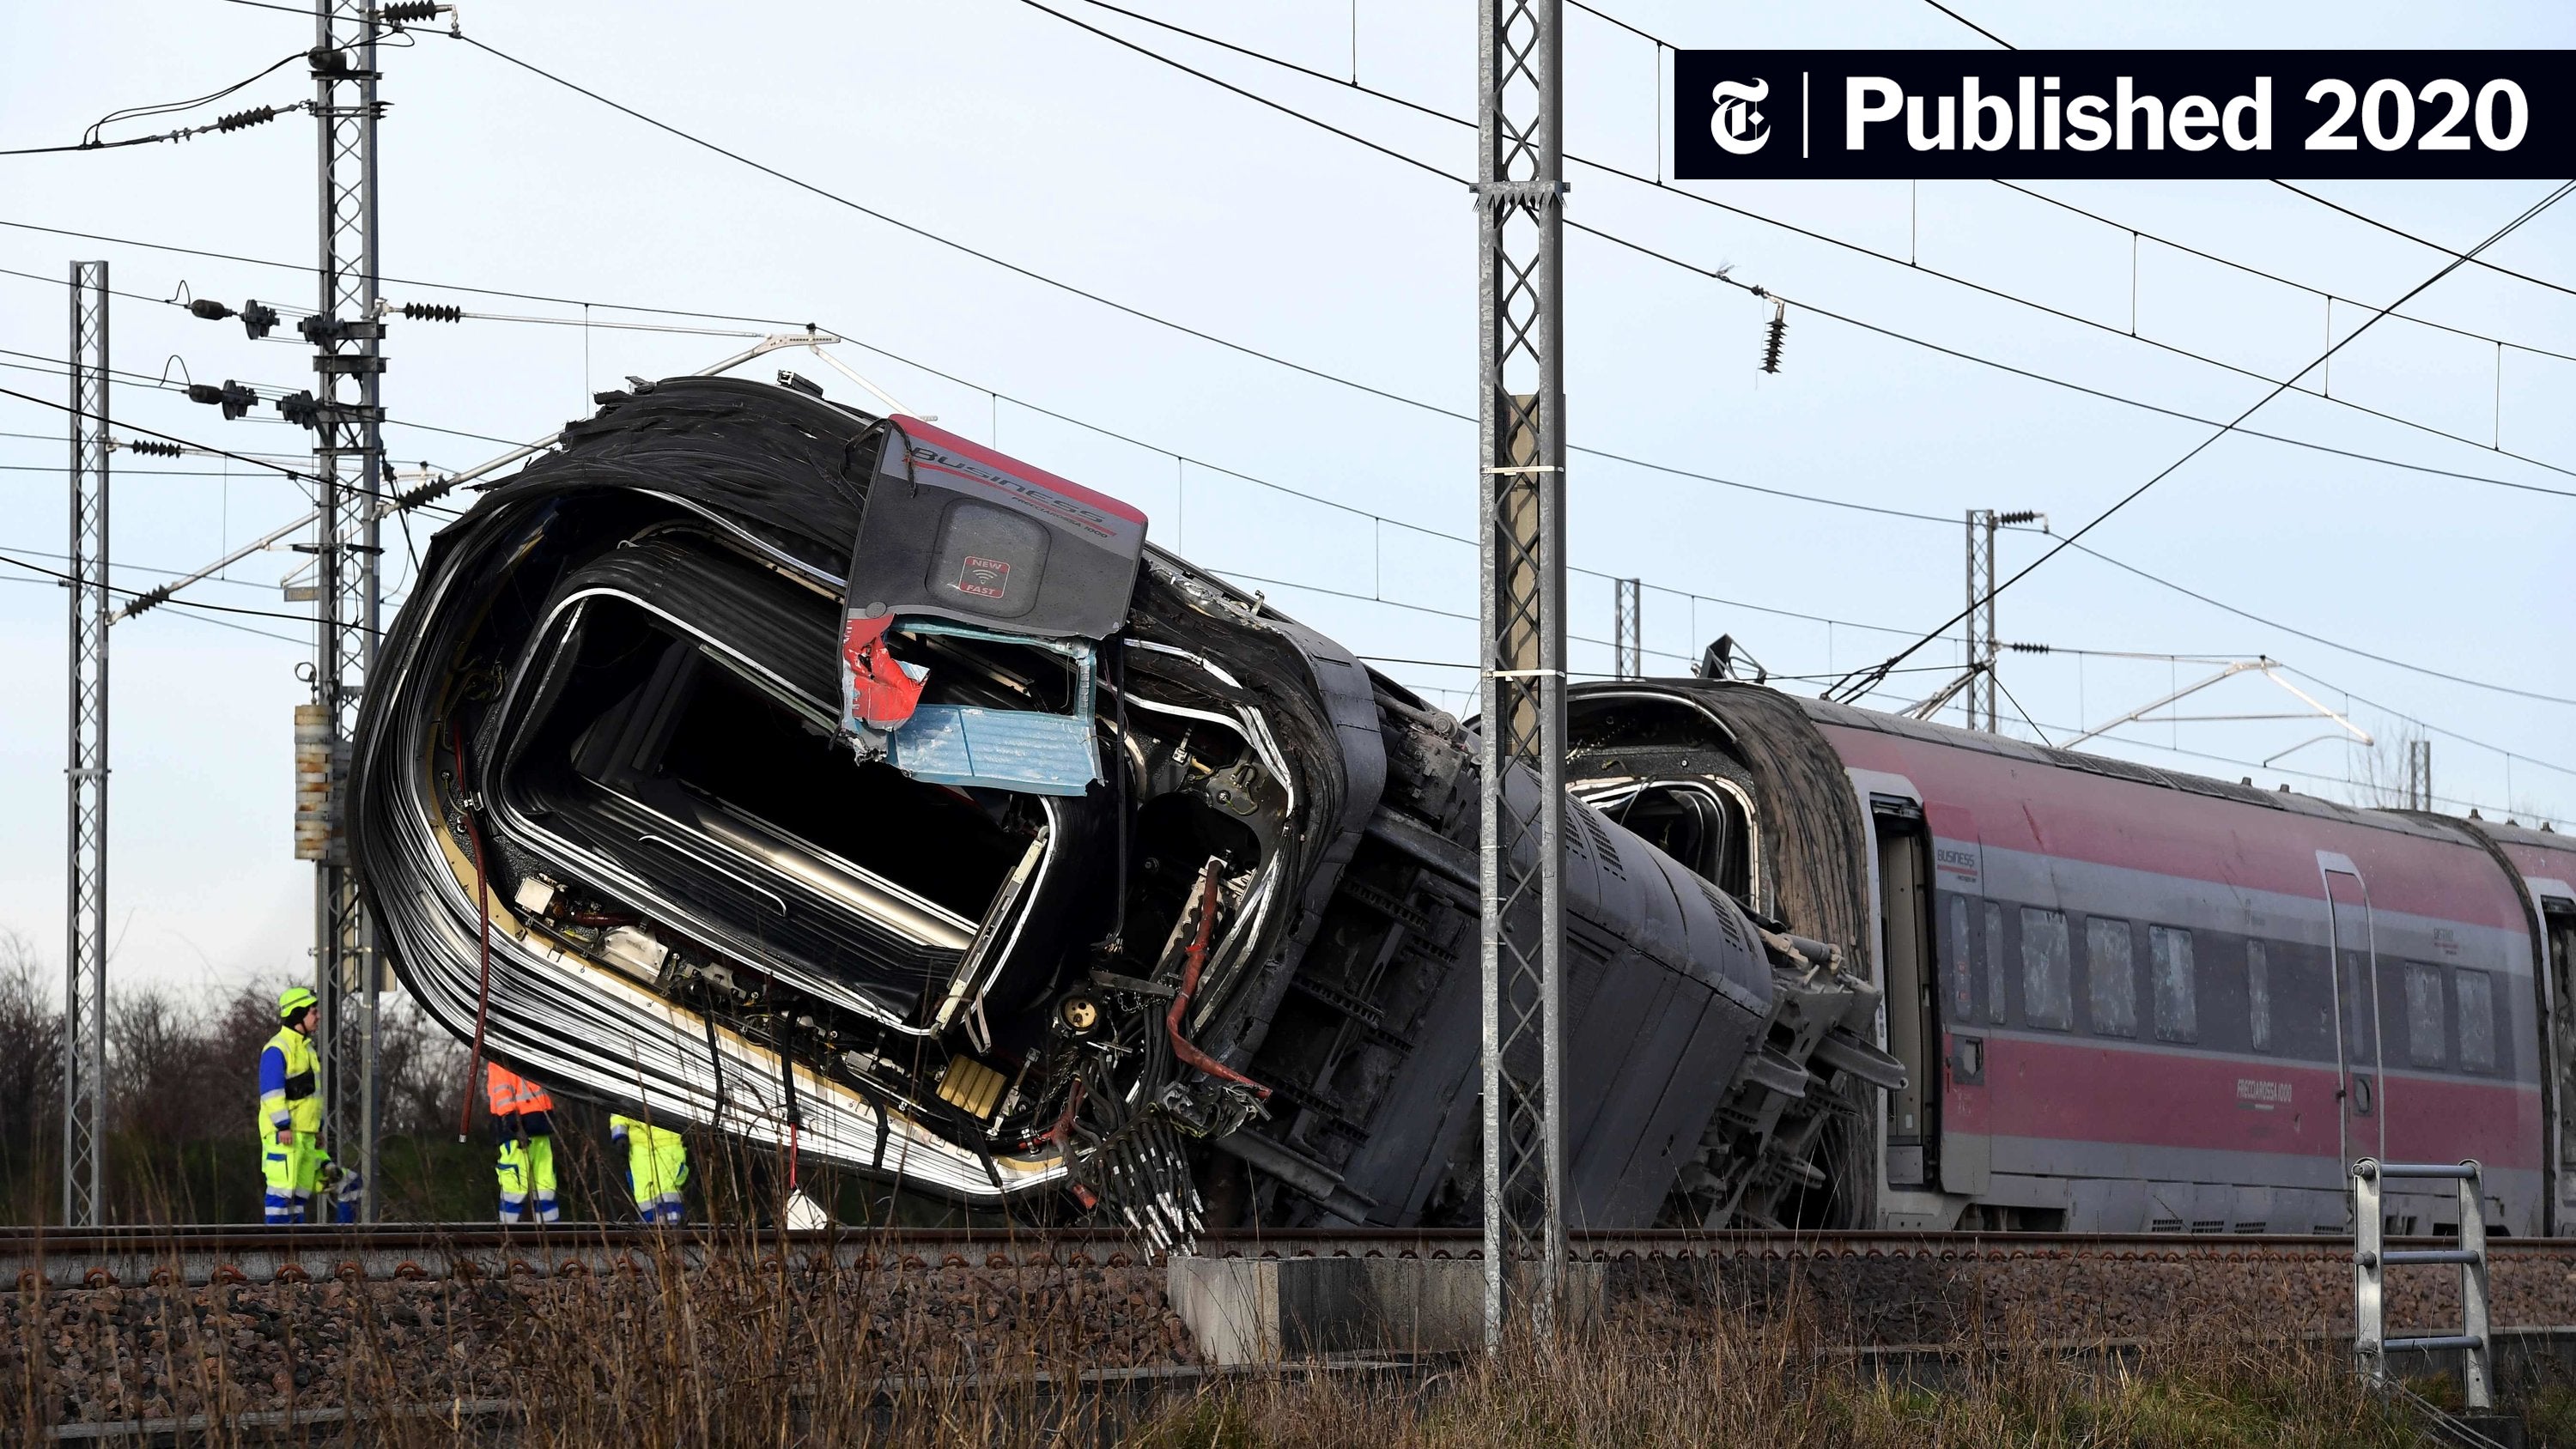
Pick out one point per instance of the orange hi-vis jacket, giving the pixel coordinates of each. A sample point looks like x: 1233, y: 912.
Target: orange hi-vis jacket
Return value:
x: 511, y: 1093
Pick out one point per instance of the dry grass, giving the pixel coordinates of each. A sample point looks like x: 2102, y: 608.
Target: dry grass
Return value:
x: 743, y: 1346
x: 1741, y: 1385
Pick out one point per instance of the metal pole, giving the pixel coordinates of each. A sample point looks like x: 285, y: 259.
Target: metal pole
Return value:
x: 348, y: 363
x: 1628, y: 629
x: 85, y: 769
x: 1984, y: 684
x: 1520, y: 197
x: 1978, y: 699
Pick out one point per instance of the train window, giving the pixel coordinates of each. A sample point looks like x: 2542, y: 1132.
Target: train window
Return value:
x: 2258, y: 995
x: 1962, y: 963
x: 2424, y: 1026
x: 1994, y: 962
x: 2047, y: 990
x: 2477, y: 1019
x: 2177, y: 1012
x: 2110, y: 977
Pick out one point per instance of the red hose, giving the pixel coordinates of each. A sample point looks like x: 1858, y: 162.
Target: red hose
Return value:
x: 1193, y: 959
x: 483, y: 906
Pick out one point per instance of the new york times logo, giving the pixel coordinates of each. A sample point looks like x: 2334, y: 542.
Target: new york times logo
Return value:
x: 1737, y: 128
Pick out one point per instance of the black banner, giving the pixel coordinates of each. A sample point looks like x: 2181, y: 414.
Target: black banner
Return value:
x: 2118, y: 115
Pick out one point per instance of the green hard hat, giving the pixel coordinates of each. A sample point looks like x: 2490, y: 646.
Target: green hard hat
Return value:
x: 292, y: 1001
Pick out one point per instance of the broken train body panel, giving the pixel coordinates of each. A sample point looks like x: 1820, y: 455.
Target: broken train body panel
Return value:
x: 1004, y: 856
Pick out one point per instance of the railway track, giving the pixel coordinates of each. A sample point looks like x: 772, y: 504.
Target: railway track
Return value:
x: 107, y: 1257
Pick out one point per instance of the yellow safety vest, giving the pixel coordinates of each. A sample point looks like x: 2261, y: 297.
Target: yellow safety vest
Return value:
x: 300, y: 1099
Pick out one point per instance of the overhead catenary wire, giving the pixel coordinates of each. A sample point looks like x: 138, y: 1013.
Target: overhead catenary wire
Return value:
x: 168, y: 107
x: 1944, y: 521
x: 2284, y: 185
x: 2292, y: 629
x: 1438, y: 409
x: 2040, y: 730
x: 1721, y: 274
x: 1413, y: 402
x: 2255, y: 766
x: 239, y: 120
x: 979, y: 254
x: 1972, y: 25
x: 167, y: 437
x: 2481, y: 262
x: 1694, y: 475
x: 174, y: 603
x: 1869, y: 676
x: 2254, y: 271
x: 1928, y: 518
x: 265, y: 391
x: 1718, y: 274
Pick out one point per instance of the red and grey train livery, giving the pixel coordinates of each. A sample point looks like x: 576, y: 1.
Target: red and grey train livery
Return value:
x: 2126, y: 999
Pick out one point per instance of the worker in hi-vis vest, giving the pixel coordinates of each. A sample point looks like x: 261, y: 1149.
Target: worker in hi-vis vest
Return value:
x: 522, y: 1119
x: 290, y: 1110
x: 657, y: 1165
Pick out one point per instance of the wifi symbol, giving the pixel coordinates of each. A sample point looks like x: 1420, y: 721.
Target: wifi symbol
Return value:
x: 984, y: 577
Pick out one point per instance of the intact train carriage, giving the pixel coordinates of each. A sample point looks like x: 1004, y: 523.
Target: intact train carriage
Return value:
x: 2110, y: 985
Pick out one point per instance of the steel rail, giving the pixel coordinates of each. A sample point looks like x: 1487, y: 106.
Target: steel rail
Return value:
x: 196, y: 1255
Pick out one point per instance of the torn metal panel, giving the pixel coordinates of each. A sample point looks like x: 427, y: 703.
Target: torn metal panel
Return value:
x: 1137, y: 901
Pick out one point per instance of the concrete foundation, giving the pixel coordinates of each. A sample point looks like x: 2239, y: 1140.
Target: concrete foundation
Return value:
x: 1265, y: 1310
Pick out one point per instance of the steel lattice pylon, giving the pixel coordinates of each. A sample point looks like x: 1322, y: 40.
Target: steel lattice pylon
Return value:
x: 1978, y: 698
x: 84, y: 1068
x: 1628, y: 629
x: 1521, y: 513
x: 347, y: 336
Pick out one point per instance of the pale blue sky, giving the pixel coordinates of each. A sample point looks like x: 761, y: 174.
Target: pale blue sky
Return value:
x: 1001, y: 127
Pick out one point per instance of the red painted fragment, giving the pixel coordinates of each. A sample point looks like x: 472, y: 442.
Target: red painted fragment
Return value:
x: 879, y: 693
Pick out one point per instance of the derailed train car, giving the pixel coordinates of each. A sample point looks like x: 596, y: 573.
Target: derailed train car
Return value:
x: 835, y: 782
x: 2127, y: 998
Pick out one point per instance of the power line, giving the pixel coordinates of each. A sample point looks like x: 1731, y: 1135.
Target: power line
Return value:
x: 191, y: 618
x: 1721, y: 274
x: 2297, y: 632
x: 90, y: 136
x: 2253, y: 271
x: 397, y: 281
x: 1981, y: 30
x: 1716, y: 275
x: 2423, y: 242
x: 984, y: 256
x: 166, y: 437
x: 175, y: 603
x: 1435, y: 408
x: 2536, y: 208
x: 1630, y: 460
x: 2428, y: 724
x: 239, y: 120
x: 1612, y: 456
x: 2189, y: 417
x: 2251, y: 765
x: 265, y: 391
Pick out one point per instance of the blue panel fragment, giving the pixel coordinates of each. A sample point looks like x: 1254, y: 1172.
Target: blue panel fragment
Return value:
x: 998, y: 749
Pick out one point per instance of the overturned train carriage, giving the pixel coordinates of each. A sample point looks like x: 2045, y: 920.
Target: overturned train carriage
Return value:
x: 832, y: 781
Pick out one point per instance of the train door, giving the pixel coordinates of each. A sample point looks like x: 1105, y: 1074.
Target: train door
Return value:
x: 2352, y: 954
x: 1910, y: 977
x: 2558, y: 939
x: 1958, y: 880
